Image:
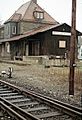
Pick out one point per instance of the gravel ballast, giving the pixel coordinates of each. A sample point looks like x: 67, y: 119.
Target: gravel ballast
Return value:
x: 52, y: 81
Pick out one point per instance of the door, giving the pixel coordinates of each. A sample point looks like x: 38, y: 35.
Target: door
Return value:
x: 27, y: 50
x: 34, y: 48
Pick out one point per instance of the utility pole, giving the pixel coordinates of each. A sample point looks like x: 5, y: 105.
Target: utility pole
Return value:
x: 72, y: 49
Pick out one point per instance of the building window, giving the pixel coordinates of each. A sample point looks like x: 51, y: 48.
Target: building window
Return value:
x: 13, y: 29
x: 41, y: 15
x: 81, y: 52
x: 62, y: 44
x: 8, y: 47
x: 38, y: 15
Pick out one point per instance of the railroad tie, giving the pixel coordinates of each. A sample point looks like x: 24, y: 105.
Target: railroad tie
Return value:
x: 51, y: 114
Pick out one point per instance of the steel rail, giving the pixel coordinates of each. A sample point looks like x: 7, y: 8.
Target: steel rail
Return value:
x: 14, y: 110
x: 71, y: 110
x: 10, y: 111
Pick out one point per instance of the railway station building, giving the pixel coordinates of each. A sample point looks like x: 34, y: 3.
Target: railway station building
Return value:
x: 31, y: 31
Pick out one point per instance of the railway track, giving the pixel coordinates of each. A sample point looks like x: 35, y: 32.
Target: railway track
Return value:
x: 21, y: 104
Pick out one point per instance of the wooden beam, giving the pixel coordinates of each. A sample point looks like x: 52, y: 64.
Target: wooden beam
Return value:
x: 72, y: 49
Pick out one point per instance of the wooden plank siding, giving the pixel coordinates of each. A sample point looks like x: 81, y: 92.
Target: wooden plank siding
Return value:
x: 51, y: 44
x: 43, y: 43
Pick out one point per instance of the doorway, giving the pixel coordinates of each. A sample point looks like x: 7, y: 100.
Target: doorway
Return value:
x: 34, y: 48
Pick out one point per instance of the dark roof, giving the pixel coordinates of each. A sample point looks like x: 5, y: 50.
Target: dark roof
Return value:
x: 66, y: 25
x: 29, y: 33
x: 35, y: 31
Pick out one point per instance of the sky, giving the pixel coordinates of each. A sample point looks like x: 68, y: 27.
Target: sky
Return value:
x: 60, y: 10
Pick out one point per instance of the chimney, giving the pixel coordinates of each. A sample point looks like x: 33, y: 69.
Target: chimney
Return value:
x: 35, y: 1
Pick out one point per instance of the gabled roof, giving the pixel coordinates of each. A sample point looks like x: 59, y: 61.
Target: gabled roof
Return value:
x: 19, y: 14
x: 63, y: 27
x: 25, y: 13
x: 22, y: 10
x: 36, y: 31
x: 29, y: 33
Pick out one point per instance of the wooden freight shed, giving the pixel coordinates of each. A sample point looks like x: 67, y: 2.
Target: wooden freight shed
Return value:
x: 47, y: 40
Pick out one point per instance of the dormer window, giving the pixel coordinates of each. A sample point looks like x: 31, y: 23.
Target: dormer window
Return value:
x: 13, y: 30
x: 38, y: 15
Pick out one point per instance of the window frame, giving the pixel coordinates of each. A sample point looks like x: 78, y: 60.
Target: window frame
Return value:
x: 13, y: 30
x: 62, y: 44
x: 7, y: 47
x: 38, y: 15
